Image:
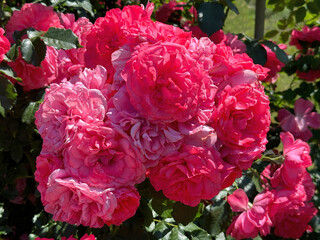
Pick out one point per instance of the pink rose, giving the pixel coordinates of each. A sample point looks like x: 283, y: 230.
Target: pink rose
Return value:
x: 4, y: 45
x: 216, y: 37
x: 63, y: 107
x: 290, y: 214
x: 310, y: 76
x: 128, y: 201
x: 307, y: 36
x: 298, y: 124
x: 254, y: 218
x: 117, y: 28
x: 235, y: 44
x: 76, y: 202
x: 84, y: 237
x: 273, y: 63
x: 101, y: 157
x: 153, y: 140
x: 46, y: 164
x: 32, y: 15
x: 71, y: 62
x: 188, y: 175
x: 296, y: 160
x: 227, y: 64
x: 165, y: 83
x: 36, y: 77
x: 242, y: 120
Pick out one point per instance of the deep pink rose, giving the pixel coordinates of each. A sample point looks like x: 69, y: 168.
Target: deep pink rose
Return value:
x: 63, y: 107
x: 296, y: 160
x: 118, y: 27
x: 298, y: 124
x: 4, y: 45
x: 128, y: 201
x: 71, y: 62
x: 311, y: 75
x: 227, y: 64
x: 235, y: 44
x: 84, y: 237
x: 32, y: 15
x: 242, y: 120
x: 189, y: 175
x: 102, y: 157
x: 273, y: 63
x: 305, y: 37
x: 290, y: 213
x: 153, y: 140
x: 46, y: 164
x: 166, y: 84
x: 36, y: 77
x: 254, y: 220
x: 76, y: 202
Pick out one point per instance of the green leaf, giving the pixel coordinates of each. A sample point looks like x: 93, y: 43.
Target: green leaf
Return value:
x: 146, y: 211
x: 313, y: 7
x: 271, y: 33
x: 7, y: 70
x: 32, y: 33
x: 8, y: 95
x: 284, y: 36
x: 13, y: 53
x: 84, y: 4
x: 300, y: 14
x: 210, y: 17
x: 230, y: 5
x: 33, y: 51
x: 161, y: 229
x: 183, y: 214
x: 281, y: 55
x: 176, y: 234
x: 257, y: 52
x: 256, y: 180
x: 28, y: 114
x: 217, y: 217
x: 61, y: 38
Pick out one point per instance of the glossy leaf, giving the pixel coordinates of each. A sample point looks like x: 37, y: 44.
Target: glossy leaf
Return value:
x: 33, y: 51
x: 281, y: 55
x: 61, y: 38
x: 8, y: 95
x: 210, y: 17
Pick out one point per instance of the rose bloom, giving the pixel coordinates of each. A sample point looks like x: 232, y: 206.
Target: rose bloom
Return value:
x: 273, y: 63
x: 71, y: 62
x: 4, y: 45
x: 235, y: 44
x: 296, y: 160
x: 153, y: 140
x: 75, y: 202
x: 310, y: 76
x: 41, y: 18
x: 46, y: 163
x: 188, y: 175
x: 128, y: 201
x: 254, y: 219
x: 34, y: 77
x: 241, y: 120
x: 64, y: 105
x: 112, y: 31
x: 226, y: 64
x: 307, y: 36
x: 166, y: 84
x: 102, y: 157
x: 290, y: 213
x: 32, y: 15
x: 298, y: 123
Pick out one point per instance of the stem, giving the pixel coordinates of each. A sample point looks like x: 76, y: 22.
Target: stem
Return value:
x: 169, y: 224
x: 236, y: 185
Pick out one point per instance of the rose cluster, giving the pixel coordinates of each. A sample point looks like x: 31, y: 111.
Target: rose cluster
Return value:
x: 139, y: 99
x: 285, y: 202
